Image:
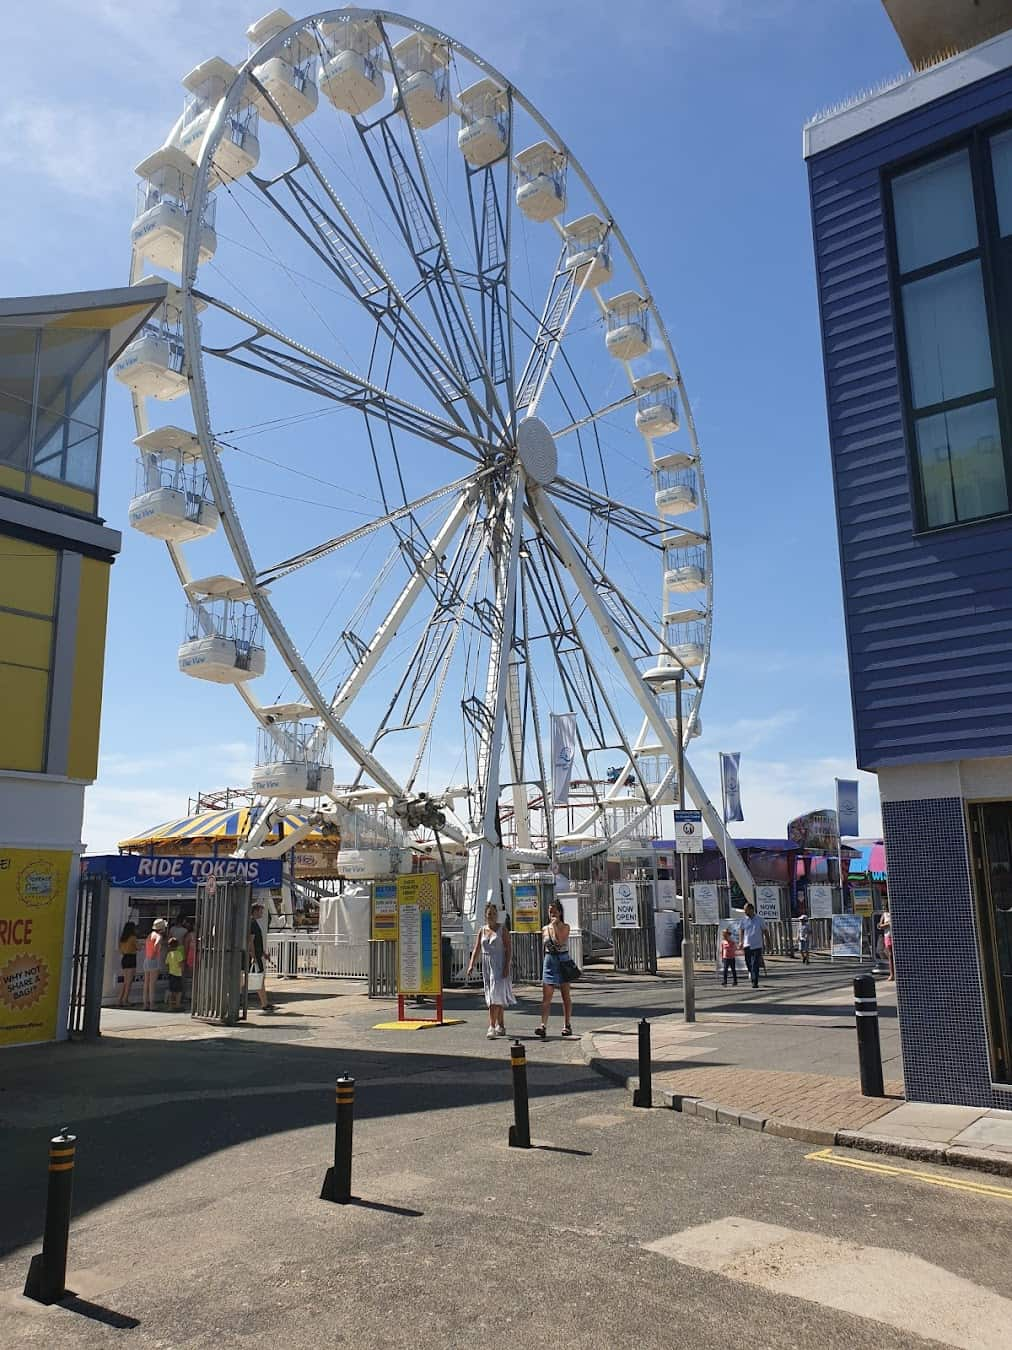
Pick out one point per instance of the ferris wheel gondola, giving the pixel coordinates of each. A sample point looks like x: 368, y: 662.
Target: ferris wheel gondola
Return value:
x: 395, y: 309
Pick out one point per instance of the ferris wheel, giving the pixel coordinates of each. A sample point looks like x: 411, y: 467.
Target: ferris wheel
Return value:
x: 442, y: 482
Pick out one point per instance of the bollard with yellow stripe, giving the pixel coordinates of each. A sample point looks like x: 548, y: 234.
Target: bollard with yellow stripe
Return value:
x: 47, y: 1274
x: 520, y: 1130
x: 337, y: 1183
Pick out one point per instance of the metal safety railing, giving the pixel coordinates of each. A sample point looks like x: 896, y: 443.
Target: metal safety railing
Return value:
x: 777, y: 939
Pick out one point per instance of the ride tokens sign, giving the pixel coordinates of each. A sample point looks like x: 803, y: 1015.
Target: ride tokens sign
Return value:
x: 419, y: 969
x: 625, y: 910
x: 33, y: 908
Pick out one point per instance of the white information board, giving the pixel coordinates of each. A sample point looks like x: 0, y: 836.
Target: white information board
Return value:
x: 625, y: 910
x: 706, y: 901
x: 820, y: 901
x: 767, y: 903
x: 846, y: 936
x: 667, y: 895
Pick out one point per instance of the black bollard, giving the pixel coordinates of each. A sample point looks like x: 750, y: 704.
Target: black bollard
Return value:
x: 869, y: 1051
x: 520, y: 1131
x: 644, y: 1094
x: 337, y: 1182
x: 47, y: 1274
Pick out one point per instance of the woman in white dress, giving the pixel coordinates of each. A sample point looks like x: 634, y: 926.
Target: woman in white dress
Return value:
x: 496, y: 951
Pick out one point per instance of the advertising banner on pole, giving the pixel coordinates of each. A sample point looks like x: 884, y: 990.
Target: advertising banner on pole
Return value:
x: 418, y: 935
x: 846, y: 808
x: 688, y: 831
x: 846, y: 936
x: 863, y: 902
x: 384, y: 911
x: 625, y: 910
x: 730, y: 786
x: 33, y: 909
x: 526, y: 908
x: 563, y: 754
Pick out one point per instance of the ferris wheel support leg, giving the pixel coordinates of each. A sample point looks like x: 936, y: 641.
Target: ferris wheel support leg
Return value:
x: 559, y: 535
x: 484, y: 859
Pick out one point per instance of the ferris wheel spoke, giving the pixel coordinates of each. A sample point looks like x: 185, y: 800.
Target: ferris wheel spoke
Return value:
x: 552, y: 525
x: 487, y: 714
x: 268, y: 575
x: 293, y: 363
x: 371, y: 652
x: 350, y: 256
x: 608, y: 408
x: 589, y: 688
x: 640, y: 525
x: 563, y: 298
x: 418, y: 216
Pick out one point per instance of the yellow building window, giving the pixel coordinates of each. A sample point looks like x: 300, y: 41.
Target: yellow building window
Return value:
x: 27, y: 601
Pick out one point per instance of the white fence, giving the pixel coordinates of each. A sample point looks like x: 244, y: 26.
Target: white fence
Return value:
x: 311, y: 954
x: 295, y: 953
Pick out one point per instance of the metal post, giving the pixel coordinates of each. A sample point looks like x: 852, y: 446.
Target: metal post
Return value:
x: 644, y: 1094
x: 94, y: 977
x: 869, y: 1051
x: 47, y: 1274
x: 520, y: 1130
x: 688, y: 917
x: 337, y: 1182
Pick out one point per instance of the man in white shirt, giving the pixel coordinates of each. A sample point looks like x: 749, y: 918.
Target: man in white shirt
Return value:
x: 752, y: 942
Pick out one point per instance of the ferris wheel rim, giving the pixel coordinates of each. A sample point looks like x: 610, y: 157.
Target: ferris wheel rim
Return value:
x: 195, y: 357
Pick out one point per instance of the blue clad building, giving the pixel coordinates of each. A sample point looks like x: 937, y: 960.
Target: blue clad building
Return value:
x: 911, y: 196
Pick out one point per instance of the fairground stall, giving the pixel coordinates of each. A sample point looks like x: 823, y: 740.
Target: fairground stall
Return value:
x: 164, y: 886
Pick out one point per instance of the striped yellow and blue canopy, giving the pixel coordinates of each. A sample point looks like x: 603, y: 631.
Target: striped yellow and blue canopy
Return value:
x: 212, y: 826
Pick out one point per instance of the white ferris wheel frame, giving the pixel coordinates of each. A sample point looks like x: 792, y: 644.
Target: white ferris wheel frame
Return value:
x: 526, y: 494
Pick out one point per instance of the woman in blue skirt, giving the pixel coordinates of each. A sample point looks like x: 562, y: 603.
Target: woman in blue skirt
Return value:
x: 555, y: 940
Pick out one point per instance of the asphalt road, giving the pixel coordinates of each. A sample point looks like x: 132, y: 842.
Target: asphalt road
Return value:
x: 198, y: 1218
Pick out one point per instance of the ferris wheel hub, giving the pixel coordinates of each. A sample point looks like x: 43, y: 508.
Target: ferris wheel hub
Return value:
x: 536, y: 448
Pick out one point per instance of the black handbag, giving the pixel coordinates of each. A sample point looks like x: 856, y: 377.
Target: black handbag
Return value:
x: 569, y: 971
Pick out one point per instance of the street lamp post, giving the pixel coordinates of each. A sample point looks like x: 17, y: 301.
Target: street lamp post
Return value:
x: 688, y: 969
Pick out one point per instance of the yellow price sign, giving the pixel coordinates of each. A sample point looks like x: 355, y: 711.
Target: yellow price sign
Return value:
x: 419, y: 914
x: 33, y: 910
x: 384, y: 911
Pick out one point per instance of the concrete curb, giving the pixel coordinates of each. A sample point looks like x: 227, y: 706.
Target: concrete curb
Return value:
x: 915, y: 1150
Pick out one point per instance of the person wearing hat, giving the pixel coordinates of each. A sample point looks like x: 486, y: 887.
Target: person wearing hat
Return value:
x: 154, y: 946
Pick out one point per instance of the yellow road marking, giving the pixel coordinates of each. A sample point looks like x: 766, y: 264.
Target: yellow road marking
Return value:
x: 827, y: 1155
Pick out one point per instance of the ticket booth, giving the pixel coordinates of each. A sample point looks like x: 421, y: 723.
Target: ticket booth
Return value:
x: 143, y: 889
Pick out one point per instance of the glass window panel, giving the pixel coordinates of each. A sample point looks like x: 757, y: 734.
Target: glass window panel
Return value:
x: 961, y: 464
x: 978, y: 468
x: 82, y: 456
x: 72, y: 364
x: 50, y: 435
x: 936, y: 473
x: 948, y: 346
x: 15, y: 427
x: 1001, y: 165
x: 933, y: 211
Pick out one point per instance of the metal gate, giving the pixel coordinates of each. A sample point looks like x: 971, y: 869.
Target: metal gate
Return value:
x: 87, y: 968
x: 222, y: 941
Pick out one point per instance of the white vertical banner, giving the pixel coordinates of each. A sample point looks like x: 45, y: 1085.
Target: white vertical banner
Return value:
x: 846, y: 807
x: 563, y: 754
x: 730, y: 787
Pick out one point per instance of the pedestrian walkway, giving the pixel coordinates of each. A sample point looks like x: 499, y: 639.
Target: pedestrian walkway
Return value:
x: 788, y: 1066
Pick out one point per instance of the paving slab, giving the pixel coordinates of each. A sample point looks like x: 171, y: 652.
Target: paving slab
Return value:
x: 992, y: 1129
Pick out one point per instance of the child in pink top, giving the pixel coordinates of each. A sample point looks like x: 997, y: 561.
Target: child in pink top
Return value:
x: 728, y: 954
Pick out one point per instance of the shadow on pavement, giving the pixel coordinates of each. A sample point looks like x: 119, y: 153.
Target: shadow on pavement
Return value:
x: 210, y: 1095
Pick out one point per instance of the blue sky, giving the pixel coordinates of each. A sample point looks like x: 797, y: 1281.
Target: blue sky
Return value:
x: 688, y: 115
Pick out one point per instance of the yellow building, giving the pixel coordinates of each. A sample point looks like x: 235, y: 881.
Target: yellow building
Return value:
x: 55, y: 556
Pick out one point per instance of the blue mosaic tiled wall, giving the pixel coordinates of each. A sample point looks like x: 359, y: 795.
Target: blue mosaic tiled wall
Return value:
x: 941, y: 1013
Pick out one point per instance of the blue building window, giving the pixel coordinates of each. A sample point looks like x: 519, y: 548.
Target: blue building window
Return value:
x: 949, y: 216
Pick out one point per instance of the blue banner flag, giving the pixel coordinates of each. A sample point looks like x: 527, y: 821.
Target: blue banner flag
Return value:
x: 729, y: 785
x: 846, y: 807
